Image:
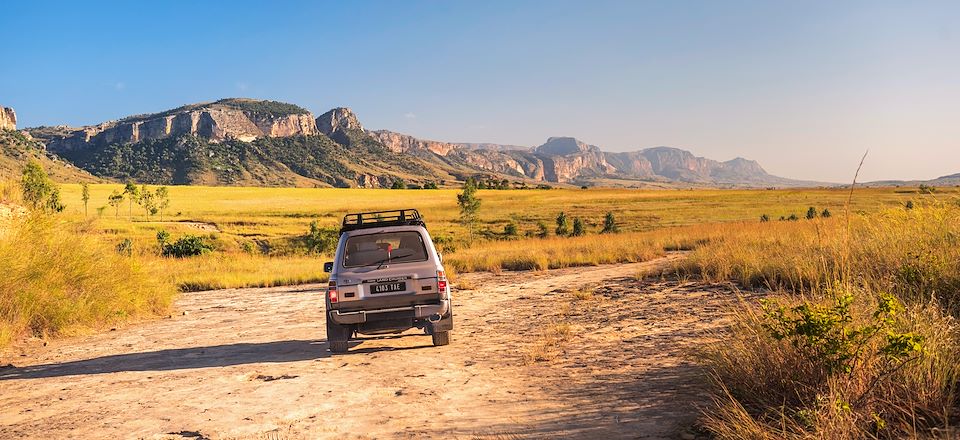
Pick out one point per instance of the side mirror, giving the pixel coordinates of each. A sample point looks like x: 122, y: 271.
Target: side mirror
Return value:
x: 328, y: 267
x: 440, y: 257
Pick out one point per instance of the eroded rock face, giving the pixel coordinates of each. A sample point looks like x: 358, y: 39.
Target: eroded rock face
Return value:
x: 338, y: 120
x: 214, y: 121
x: 8, y: 118
x: 401, y: 143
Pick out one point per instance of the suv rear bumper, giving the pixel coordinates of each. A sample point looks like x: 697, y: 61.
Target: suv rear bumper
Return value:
x: 422, y: 311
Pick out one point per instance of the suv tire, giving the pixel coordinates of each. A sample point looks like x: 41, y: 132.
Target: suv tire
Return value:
x: 441, y: 338
x: 339, y: 346
x: 337, y: 336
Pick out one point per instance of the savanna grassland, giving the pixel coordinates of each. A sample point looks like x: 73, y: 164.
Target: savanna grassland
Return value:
x: 856, y: 336
x: 257, y: 232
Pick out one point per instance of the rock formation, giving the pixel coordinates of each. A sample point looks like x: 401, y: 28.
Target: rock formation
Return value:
x: 338, y: 119
x: 8, y: 118
x: 226, y: 119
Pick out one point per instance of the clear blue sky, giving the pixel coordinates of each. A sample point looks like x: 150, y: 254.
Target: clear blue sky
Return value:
x: 802, y: 87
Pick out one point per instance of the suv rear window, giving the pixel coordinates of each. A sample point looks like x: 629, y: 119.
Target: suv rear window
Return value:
x: 387, y: 248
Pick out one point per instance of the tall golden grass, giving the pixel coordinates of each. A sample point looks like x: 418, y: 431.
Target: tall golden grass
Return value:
x: 767, y: 388
x: 58, y: 278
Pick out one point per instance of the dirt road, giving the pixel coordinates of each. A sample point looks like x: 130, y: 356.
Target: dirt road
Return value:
x: 530, y: 358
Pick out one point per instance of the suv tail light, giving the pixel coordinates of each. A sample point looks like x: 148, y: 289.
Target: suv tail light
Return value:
x: 441, y: 281
x: 332, y: 292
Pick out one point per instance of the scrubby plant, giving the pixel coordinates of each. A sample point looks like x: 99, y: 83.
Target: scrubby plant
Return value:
x: 562, y: 227
x: 469, y: 205
x: 764, y: 218
x: 125, y: 247
x: 186, y: 246
x: 579, y: 229
x: 609, y: 224
x: 510, y: 230
x: 38, y: 191
x: 909, y: 205
x: 793, y: 218
x: 398, y: 184
x: 321, y: 240
x: 826, y: 213
x: 542, y: 230
x: 811, y: 213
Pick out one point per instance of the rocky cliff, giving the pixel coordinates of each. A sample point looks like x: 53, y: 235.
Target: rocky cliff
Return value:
x: 8, y: 118
x: 401, y: 143
x: 241, y: 119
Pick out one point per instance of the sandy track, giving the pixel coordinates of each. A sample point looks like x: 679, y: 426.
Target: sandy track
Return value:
x: 252, y: 363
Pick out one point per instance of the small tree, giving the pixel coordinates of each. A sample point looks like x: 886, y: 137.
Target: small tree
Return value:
x: 562, y: 227
x: 39, y: 192
x: 811, y: 213
x: 115, y: 200
x: 430, y: 185
x: 148, y: 201
x: 826, y: 213
x: 909, y: 204
x: 132, y: 193
x: 764, y: 218
x: 163, y: 200
x: 399, y: 184
x: 542, y: 230
x: 793, y: 218
x: 469, y: 205
x: 609, y: 224
x: 85, y: 196
x: 579, y: 229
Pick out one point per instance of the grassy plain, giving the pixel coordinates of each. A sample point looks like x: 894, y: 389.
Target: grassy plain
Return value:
x: 268, y: 221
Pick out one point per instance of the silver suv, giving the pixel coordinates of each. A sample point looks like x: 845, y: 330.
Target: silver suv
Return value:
x: 386, y: 277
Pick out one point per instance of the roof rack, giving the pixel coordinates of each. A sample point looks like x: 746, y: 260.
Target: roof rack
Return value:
x: 379, y: 219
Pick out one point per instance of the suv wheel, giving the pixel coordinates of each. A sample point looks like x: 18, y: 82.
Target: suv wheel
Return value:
x: 337, y: 336
x: 339, y: 346
x: 441, y: 338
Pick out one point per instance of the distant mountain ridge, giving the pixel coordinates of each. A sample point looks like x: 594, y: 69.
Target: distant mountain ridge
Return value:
x: 240, y: 141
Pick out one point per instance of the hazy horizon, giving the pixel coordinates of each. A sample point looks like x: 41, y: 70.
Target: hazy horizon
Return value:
x: 804, y: 89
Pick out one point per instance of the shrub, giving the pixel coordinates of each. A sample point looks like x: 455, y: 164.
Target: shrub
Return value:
x: 826, y: 213
x: 764, y: 218
x: 909, y: 204
x: 321, y: 240
x: 793, y: 218
x: 398, y: 184
x: 609, y: 224
x: 510, y: 229
x: 125, y: 247
x: 927, y: 189
x: 562, y: 227
x: 542, y: 230
x: 579, y: 229
x: 186, y: 246
x: 811, y: 213
x: 430, y: 185
x: 39, y: 192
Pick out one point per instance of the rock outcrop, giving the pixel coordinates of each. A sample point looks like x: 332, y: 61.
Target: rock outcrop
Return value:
x: 8, y: 118
x: 337, y: 120
x: 402, y: 143
x: 241, y: 119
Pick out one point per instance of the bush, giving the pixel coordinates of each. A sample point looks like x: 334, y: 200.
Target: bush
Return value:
x: 125, y: 247
x: 398, y: 184
x: 579, y: 229
x: 542, y: 230
x: 764, y: 218
x: 609, y: 224
x: 811, y: 213
x: 186, y: 246
x: 57, y: 278
x: 510, y: 230
x: 562, y: 228
x: 826, y: 213
x: 321, y: 240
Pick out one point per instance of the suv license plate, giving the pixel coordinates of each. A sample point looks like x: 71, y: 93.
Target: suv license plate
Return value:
x: 388, y: 287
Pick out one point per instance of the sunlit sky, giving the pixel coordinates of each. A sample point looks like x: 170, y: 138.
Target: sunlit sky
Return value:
x: 802, y: 87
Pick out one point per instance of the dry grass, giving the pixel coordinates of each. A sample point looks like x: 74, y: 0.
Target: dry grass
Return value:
x: 550, y: 344
x: 60, y: 279
x: 770, y: 388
